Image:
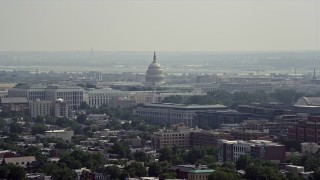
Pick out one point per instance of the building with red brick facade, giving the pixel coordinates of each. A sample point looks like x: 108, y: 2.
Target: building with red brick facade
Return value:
x: 306, y: 131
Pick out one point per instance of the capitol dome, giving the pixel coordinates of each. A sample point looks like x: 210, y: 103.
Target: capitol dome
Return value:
x: 154, y: 75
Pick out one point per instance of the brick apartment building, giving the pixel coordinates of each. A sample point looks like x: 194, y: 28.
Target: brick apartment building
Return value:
x: 306, y: 131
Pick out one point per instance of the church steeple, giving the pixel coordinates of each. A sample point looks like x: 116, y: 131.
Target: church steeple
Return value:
x: 154, y: 57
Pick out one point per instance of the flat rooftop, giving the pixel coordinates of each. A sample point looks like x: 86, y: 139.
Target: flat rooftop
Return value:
x: 184, y: 106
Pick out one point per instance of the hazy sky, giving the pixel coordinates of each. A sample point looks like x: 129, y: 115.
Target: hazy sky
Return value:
x: 161, y: 25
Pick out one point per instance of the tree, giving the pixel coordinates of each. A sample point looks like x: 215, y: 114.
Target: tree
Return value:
x: 228, y: 165
x: 287, y: 97
x: 78, y: 158
x: 292, y: 145
x: 63, y: 122
x: 154, y: 169
x: 218, y: 175
x: 169, y: 175
x: 316, y: 174
x: 81, y: 118
x: 165, y: 154
x: 207, y: 159
x: 259, y: 171
x: 198, y: 99
x: 173, y: 99
x: 243, y: 162
x: 57, y: 171
x: 36, y: 151
x: 194, y: 154
x: 113, y: 171
x: 61, y: 144
x: 120, y: 149
x: 310, y: 162
x: 39, y: 120
x: 50, y: 120
x: 141, y: 156
x: 295, y: 176
x: 38, y: 129
x: 84, y: 106
x: 12, y: 172
x: 2, y: 123
x: 126, y: 126
x: 136, y: 169
x: 16, y: 128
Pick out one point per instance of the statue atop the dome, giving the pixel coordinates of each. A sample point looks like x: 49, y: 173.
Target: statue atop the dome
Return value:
x: 154, y: 57
x: 154, y: 74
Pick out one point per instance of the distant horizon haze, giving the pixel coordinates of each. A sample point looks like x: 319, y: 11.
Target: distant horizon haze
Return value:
x: 141, y: 25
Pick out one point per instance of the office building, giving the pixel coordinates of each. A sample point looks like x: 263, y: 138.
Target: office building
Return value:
x: 61, y: 108
x: 214, y: 119
x: 100, y: 97
x: 306, y: 131
x: 15, y: 105
x: 170, y: 114
x: 56, y: 108
x: 261, y: 149
x: 40, y: 108
x: 65, y: 135
x: 178, y: 136
x: 72, y: 95
x: 201, y: 139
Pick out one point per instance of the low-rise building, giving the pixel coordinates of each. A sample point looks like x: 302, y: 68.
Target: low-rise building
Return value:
x: 249, y: 135
x: 73, y: 95
x: 265, y: 111
x: 99, y: 120
x: 200, y: 139
x: 16, y: 105
x: 264, y: 150
x: 294, y: 169
x: 214, y: 119
x: 309, y: 148
x: 306, y: 131
x: 3, y: 94
x: 192, y: 172
x: 66, y: 135
x: 107, y: 133
x: 169, y: 113
x: 178, y: 136
x: 100, y: 97
x: 24, y: 161
x: 308, y: 105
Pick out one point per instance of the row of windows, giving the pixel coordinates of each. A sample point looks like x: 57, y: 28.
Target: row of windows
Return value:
x: 173, y: 138
x: 168, y: 135
x: 172, y: 141
x: 105, y: 95
x: 205, y: 176
x: 240, y: 149
x: 171, y: 144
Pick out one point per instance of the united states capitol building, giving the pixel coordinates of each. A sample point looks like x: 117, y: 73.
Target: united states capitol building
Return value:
x: 154, y: 74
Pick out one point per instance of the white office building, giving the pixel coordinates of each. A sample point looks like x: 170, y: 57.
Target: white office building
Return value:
x: 65, y: 135
x: 72, y: 95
